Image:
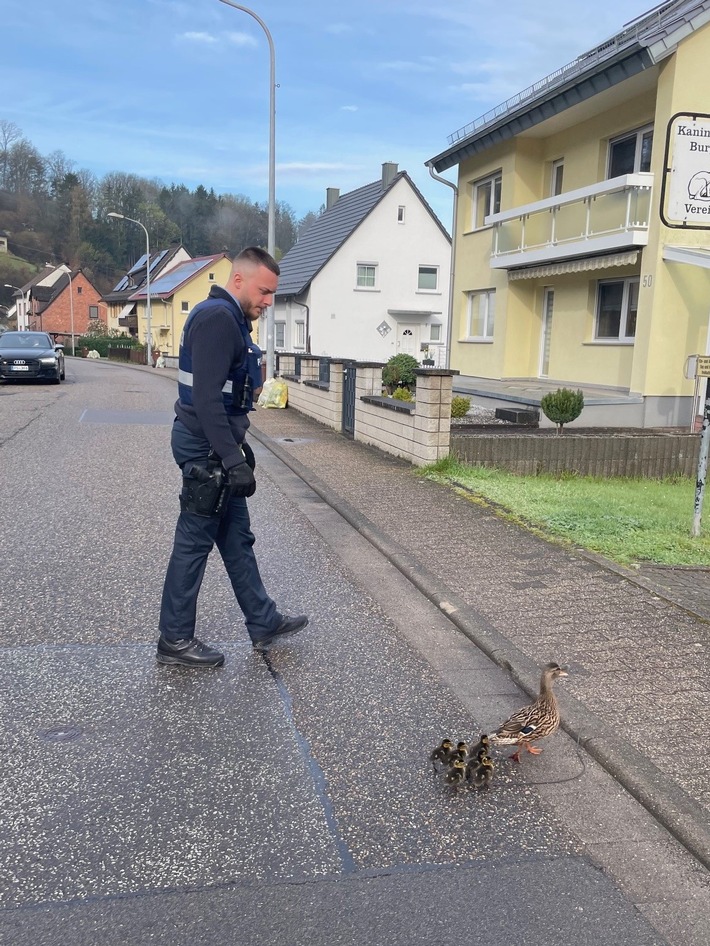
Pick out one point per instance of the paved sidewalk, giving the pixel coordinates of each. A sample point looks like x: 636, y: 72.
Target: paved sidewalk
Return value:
x: 638, y: 696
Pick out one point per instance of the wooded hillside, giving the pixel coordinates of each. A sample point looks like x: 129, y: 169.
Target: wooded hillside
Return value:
x: 54, y: 212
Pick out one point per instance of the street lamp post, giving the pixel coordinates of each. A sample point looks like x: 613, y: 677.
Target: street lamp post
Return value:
x: 71, y: 309
x: 149, y: 340
x: 25, y: 324
x: 271, y: 233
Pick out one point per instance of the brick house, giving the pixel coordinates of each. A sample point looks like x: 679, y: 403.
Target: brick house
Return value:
x: 69, y: 299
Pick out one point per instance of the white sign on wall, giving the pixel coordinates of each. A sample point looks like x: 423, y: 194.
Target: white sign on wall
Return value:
x: 685, y: 197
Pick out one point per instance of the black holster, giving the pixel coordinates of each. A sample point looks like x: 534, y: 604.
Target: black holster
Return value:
x: 204, y: 488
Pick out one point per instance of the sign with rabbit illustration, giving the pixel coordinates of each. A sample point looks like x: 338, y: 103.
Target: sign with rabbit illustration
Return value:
x: 685, y: 196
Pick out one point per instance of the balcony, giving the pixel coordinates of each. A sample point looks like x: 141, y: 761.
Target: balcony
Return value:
x: 602, y: 218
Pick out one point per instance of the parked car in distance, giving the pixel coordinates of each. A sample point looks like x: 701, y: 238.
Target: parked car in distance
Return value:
x: 31, y: 355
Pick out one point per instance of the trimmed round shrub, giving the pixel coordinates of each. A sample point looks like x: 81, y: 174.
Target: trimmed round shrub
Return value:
x: 403, y: 394
x: 459, y: 406
x: 562, y: 406
x: 399, y: 371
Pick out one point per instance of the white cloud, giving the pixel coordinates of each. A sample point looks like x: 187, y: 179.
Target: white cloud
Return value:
x: 194, y: 37
x: 348, y: 108
x: 241, y: 39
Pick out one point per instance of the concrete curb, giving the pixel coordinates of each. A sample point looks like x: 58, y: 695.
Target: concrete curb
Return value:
x: 681, y: 815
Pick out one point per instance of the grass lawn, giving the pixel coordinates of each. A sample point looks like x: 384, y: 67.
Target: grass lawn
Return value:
x: 626, y: 520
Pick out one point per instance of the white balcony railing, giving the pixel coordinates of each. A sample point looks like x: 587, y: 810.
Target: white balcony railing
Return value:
x: 603, y: 217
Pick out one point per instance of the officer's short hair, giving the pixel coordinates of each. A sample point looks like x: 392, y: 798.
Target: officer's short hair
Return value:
x: 258, y: 257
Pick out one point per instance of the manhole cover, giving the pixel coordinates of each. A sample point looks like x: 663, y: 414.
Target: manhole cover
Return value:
x: 62, y: 732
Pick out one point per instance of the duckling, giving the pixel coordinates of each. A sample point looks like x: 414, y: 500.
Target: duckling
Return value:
x: 475, y: 761
x: 441, y: 757
x: 457, y: 773
x: 482, y: 743
x: 462, y: 748
x: 534, y: 721
x: 482, y: 773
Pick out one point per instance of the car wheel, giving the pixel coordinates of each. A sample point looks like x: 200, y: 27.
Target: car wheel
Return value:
x: 63, y: 375
x: 58, y: 379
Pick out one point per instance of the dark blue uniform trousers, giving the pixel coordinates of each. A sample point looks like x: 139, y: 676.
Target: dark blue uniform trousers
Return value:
x: 195, y: 537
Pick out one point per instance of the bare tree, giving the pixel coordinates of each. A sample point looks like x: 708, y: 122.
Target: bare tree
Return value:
x: 9, y: 133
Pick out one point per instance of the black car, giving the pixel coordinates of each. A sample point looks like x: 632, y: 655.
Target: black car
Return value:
x: 31, y: 355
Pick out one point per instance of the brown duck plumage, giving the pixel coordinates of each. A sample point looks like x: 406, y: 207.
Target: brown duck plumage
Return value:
x: 534, y: 721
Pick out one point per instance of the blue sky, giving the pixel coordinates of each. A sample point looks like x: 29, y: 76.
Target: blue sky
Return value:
x: 179, y: 89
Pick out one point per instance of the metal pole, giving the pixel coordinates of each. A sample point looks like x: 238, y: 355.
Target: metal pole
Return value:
x: 702, y: 465
x: 148, y: 341
x: 71, y: 310
x: 149, y: 327
x: 20, y: 327
x: 271, y: 232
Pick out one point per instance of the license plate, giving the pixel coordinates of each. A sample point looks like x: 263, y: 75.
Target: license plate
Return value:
x: 20, y: 367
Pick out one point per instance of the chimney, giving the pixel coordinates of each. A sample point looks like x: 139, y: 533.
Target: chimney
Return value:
x: 389, y: 172
x: 331, y: 195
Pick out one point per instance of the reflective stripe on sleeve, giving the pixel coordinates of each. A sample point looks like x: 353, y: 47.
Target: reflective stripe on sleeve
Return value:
x: 185, y: 377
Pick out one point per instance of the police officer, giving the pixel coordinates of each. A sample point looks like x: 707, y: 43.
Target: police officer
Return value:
x: 219, y: 369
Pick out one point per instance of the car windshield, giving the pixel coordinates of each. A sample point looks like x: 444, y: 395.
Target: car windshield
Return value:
x: 25, y: 340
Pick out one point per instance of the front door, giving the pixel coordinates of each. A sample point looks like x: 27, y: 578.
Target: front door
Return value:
x: 407, y: 343
x: 546, y: 337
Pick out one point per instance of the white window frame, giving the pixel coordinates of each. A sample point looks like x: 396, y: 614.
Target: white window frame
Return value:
x: 361, y: 276
x: 435, y: 332
x: 431, y: 268
x: 485, y: 300
x: 640, y: 134
x: 300, y: 339
x: 93, y: 312
x: 279, y: 327
x: 624, y: 310
x: 485, y: 198
x: 400, y: 214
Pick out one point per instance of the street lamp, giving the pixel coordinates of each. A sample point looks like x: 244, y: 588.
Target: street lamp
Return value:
x: 271, y: 233
x: 149, y: 345
x: 24, y: 326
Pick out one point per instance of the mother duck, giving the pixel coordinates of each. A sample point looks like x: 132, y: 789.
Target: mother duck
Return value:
x: 534, y: 721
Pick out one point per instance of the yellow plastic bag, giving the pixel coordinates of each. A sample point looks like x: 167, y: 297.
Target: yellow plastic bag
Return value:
x: 274, y: 393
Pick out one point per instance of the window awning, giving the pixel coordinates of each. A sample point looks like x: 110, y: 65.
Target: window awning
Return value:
x: 410, y: 315
x: 575, y: 265
x: 126, y: 310
x: 693, y: 255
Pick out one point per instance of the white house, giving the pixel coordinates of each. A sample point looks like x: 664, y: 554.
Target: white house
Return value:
x: 369, y: 279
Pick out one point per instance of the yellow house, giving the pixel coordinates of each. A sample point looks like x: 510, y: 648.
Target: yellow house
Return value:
x: 120, y: 312
x: 582, y: 248
x: 174, y: 295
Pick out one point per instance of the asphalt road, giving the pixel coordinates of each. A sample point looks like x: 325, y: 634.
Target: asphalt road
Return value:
x: 282, y: 799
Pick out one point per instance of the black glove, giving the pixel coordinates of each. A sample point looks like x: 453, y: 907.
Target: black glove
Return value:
x: 248, y: 455
x: 240, y: 480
